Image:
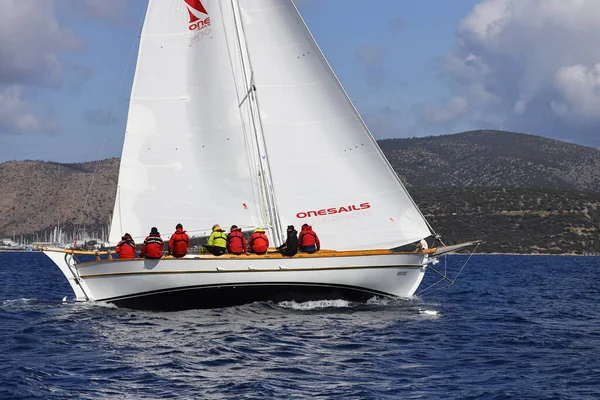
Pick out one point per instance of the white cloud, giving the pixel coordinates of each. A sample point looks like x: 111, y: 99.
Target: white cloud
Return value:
x: 16, y: 115
x: 371, y: 57
x: 30, y: 42
x: 579, y: 87
x: 529, y: 65
x: 110, y: 11
x: 456, y: 107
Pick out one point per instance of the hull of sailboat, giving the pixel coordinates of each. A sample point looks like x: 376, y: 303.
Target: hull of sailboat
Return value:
x: 209, y: 282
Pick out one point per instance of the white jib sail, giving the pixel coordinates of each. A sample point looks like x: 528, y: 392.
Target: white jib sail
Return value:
x: 327, y: 169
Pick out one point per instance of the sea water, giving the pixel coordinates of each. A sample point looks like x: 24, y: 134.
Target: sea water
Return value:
x: 520, y: 327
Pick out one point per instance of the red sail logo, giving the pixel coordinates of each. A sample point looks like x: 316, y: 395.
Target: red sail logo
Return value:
x: 333, y: 210
x: 195, y: 8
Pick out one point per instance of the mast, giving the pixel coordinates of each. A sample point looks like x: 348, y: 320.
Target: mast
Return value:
x: 265, y: 176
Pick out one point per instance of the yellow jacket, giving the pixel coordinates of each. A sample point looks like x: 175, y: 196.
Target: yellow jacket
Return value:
x: 217, y: 238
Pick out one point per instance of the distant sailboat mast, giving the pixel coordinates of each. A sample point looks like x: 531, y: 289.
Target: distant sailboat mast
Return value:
x: 250, y: 96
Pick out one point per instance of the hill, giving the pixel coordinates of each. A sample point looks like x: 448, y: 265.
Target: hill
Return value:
x: 494, y: 159
x: 520, y: 193
x: 36, y: 196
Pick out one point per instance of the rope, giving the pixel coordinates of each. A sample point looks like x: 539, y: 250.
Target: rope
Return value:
x: 444, y: 276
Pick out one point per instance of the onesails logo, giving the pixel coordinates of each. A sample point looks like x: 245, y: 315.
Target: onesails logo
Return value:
x: 333, y: 210
x: 199, y: 18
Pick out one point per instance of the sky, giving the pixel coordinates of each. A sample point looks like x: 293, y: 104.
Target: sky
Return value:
x: 413, y: 68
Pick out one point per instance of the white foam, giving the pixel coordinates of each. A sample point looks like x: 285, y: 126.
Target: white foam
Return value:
x: 315, y: 305
x: 12, y: 302
x: 103, y: 304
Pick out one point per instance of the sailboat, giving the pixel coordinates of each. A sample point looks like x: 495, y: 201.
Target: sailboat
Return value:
x: 236, y: 117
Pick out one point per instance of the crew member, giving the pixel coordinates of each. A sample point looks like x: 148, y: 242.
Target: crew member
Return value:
x: 290, y: 247
x: 126, y: 247
x: 217, y: 241
x: 308, y: 240
x: 178, y: 244
x: 259, y: 243
x: 236, y: 241
x: 153, y: 245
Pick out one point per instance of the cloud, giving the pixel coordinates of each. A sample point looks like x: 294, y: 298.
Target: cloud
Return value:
x: 108, y: 11
x: 32, y: 47
x: 17, y: 113
x: 579, y: 89
x: 526, y: 65
x: 99, y: 117
x: 371, y: 58
x: 449, y: 112
x: 397, y: 23
x: 30, y: 42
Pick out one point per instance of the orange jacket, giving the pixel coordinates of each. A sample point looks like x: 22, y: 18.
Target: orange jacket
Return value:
x: 153, y: 246
x: 178, y: 243
x: 126, y: 247
x: 308, y: 237
x: 236, y: 242
x: 259, y: 243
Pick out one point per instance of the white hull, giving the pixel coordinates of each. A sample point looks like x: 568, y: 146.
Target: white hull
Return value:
x: 208, y: 281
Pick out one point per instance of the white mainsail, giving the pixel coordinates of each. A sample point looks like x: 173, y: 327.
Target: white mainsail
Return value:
x: 237, y: 118
x: 185, y: 156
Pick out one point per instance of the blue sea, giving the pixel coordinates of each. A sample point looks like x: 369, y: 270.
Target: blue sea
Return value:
x: 511, y: 327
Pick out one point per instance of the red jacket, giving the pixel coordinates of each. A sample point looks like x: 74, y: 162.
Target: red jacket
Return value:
x: 236, y: 242
x: 259, y: 243
x: 126, y: 247
x: 153, y: 246
x: 178, y: 243
x: 308, y: 237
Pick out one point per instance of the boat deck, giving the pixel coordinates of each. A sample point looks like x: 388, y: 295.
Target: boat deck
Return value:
x: 271, y: 254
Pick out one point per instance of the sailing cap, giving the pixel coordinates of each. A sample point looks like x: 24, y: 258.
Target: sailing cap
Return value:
x: 154, y: 230
x: 179, y: 226
x: 290, y: 227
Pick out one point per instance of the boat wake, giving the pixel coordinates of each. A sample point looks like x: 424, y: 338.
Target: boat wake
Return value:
x: 315, y: 305
x: 15, y: 303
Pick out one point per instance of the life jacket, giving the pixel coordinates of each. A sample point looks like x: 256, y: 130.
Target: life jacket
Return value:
x: 259, y: 243
x: 126, y: 247
x: 153, y: 246
x: 178, y: 243
x: 236, y: 242
x: 217, y: 238
x: 308, y: 238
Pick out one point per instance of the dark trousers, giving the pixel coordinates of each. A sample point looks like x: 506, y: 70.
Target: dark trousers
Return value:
x: 215, y: 250
x: 309, y: 249
x: 288, y: 252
